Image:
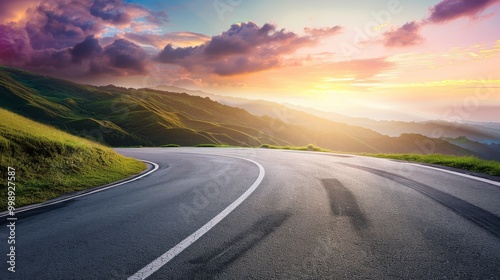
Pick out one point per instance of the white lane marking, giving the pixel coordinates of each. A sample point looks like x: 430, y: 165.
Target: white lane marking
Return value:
x: 460, y: 174
x: 43, y: 204
x: 170, y: 254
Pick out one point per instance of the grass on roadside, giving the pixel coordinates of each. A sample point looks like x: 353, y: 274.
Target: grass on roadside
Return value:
x: 49, y: 162
x: 210, y: 145
x: 207, y: 145
x: 171, y: 146
x: 309, y: 147
x: 473, y: 164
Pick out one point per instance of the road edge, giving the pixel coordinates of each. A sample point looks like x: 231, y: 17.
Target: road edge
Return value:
x: 71, y: 196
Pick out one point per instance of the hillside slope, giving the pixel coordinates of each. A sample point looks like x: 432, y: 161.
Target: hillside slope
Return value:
x: 125, y: 117
x: 48, y: 162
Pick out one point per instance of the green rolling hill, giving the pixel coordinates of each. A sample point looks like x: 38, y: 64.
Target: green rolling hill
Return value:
x: 48, y: 162
x: 131, y: 117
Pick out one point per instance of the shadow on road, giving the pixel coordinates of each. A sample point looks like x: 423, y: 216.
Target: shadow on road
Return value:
x: 343, y: 203
x: 215, y: 261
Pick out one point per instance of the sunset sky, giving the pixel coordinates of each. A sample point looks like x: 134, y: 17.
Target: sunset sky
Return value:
x: 383, y: 59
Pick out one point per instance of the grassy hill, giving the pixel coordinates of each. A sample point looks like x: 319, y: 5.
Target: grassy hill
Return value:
x: 130, y: 117
x: 49, y: 162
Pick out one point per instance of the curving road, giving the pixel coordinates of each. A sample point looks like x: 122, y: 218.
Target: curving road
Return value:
x: 212, y: 214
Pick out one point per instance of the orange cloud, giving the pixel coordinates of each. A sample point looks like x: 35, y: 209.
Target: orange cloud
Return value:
x: 179, y: 39
x: 15, y: 10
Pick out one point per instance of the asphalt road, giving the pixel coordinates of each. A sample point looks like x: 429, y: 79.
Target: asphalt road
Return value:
x: 313, y: 216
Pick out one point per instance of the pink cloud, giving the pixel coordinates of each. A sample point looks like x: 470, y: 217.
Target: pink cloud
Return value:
x: 361, y: 69
x: 447, y: 10
x: 323, y: 32
x: 404, y: 36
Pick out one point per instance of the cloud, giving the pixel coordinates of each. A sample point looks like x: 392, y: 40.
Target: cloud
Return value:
x: 87, y: 49
x: 14, y: 10
x: 323, y: 32
x: 110, y: 10
x: 159, y: 17
x: 447, y: 10
x: 187, y: 82
x: 15, y: 45
x: 63, y: 34
x: 249, y: 38
x: 181, y: 39
x: 360, y: 69
x: 172, y: 55
x: 125, y: 57
x: 243, y: 65
x: 243, y: 48
x: 61, y: 24
x: 404, y: 36
x: 410, y: 33
x: 50, y: 59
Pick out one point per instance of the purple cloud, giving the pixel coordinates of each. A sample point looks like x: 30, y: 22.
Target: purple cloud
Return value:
x: 126, y: 57
x: 404, y: 36
x: 447, y: 10
x: 243, y: 48
x: 110, y: 10
x: 62, y: 34
x: 15, y: 45
x: 86, y: 49
x: 172, y: 55
x: 245, y: 38
x: 61, y: 24
x: 47, y: 60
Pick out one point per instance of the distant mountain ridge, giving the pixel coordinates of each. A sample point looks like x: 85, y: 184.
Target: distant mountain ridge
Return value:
x: 487, y: 135
x: 129, y: 117
x: 481, y: 132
